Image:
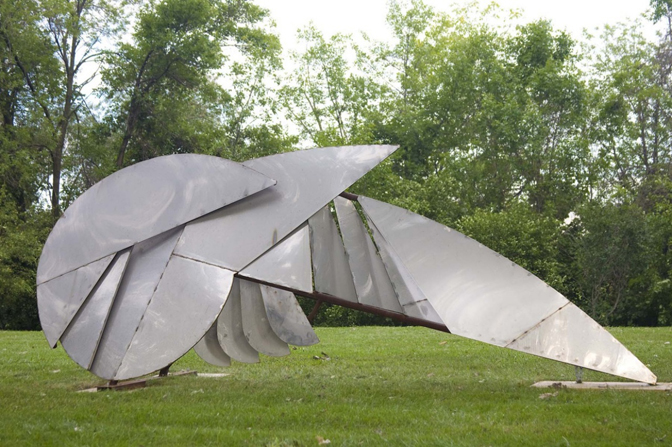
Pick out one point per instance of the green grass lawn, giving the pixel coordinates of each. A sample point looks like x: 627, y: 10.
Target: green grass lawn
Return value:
x: 399, y: 386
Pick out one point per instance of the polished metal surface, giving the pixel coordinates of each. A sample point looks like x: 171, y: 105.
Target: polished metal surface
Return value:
x: 209, y: 350
x: 571, y: 336
x: 145, y: 267
x: 287, y: 318
x: 331, y: 271
x: 477, y: 293
x: 257, y: 329
x: 372, y: 282
x: 422, y: 309
x: 306, y: 181
x: 80, y: 340
x: 287, y: 263
x: 230, y: 332
x: 142, y: 201
x: 186, y: 303
x: 404, y: 285
x: 59, y: 300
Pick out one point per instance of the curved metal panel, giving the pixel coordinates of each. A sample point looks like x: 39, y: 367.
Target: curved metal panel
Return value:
x: 81, y: 338
x: 287, y: 263
x: 142, y: 201
x: 210, y: 351
x: 257, y: 329
x: 59, y: 300
x: 571, y: 336
x: 331, y: 271
x: 230, y: 332
x: 307, y: 180
x: 287, y: 318
x: 477, y: 293
x: 186, y: 303
x: 372, y: 283
x: 145, y: 266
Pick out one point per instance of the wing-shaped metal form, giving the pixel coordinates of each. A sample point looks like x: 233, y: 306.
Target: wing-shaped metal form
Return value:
x: 191, y: 251
x: 480, y: 294
x: 307, y: 180
x: 140, y: 202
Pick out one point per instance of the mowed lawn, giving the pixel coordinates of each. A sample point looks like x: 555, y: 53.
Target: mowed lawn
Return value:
x: 380, y: 386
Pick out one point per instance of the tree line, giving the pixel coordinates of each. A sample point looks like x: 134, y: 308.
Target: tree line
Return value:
x: 555, y: 153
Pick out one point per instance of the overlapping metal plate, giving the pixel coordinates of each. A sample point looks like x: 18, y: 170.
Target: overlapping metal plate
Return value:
x: 256, y: 326
x: 59, y: 299
x: 81, y: 338
x: 306, y: 181
x: 230, y: 332
x: 331, y: 271
x: 372, y: 282
x: 140, y: 202
x: 209, y: 349
x: 287, y: 318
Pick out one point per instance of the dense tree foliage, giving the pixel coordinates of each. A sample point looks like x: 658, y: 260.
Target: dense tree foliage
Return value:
x: 558, y: 154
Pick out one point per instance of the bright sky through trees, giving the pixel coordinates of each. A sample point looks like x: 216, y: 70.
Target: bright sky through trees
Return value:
x: 353, y: 16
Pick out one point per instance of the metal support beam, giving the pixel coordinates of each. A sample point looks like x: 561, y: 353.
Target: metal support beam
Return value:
x: 349, y: 196
x: 357, y: 306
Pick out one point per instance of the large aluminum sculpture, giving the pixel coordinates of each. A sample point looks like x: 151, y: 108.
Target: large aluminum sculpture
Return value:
x: 196, y: 251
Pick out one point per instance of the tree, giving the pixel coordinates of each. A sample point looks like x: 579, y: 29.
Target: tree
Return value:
x: 49, y: 45
x: 166, y: 74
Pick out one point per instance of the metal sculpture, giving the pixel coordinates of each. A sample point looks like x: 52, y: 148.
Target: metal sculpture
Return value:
x: 195, y: 251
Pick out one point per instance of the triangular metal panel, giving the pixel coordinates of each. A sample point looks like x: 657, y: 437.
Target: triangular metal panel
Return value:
x: 230, y: 333
x: 287, y: 318
x: 59, y: 299
x: 257, y: 329
x: 146, y: 265
x: 331, y: 271
x: 571, y: 336
x: 140, y: 202
x: 372, y: 283
x: 186, y: 303
x: 287, y: 263
x: 210, y: 351
x: 307, y: 180
x: 404, y: 285
x: 81, y: 338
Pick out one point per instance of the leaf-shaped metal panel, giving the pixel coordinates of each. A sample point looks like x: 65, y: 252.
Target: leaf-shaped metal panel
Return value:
x: 186, y: 303
x: 142, y: 201
x: 307, y: 180
x: 477, y: 293
x: 571, y: 336
x: 287, y: 318
x: 331, y: 271
x: 210, y: 351
x: 145, y: 267
x: 257, y: 329
x: 287, y: 263
x: 81, y: 338
x: 372, y: 283
x: 59, y: 300
x: 230, y: 333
